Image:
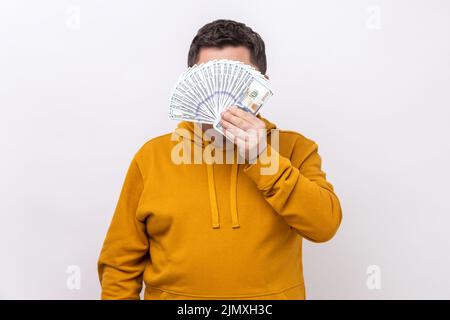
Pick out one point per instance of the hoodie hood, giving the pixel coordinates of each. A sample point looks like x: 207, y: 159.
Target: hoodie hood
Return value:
x: 193, y: 132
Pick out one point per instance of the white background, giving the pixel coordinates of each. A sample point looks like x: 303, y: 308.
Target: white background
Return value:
x: 83, y: 84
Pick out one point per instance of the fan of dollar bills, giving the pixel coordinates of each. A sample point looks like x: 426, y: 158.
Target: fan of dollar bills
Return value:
x: 203, y: 91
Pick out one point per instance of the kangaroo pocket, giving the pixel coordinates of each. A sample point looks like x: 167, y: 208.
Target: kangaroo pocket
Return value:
x: 296, y: 292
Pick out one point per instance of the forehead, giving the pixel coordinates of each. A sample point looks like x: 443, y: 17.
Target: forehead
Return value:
x: 232, y: 53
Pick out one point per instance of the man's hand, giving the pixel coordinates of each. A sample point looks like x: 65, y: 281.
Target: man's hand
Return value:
x: 246, y: 131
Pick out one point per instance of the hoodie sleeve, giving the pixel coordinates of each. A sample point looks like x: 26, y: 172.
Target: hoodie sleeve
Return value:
x: 301, y: 195
x: 125, y: 249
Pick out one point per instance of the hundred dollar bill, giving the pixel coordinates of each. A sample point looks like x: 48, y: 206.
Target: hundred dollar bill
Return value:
x: 251, y: 100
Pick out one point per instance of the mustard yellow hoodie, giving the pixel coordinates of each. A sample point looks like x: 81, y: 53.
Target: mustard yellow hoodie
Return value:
x: 216, y: 231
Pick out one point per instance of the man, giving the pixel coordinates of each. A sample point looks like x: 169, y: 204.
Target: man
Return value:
x: 219, y: 230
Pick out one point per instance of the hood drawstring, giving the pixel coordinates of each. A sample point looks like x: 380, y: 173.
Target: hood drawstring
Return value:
x: 212, y: 197
x: 233, y: 194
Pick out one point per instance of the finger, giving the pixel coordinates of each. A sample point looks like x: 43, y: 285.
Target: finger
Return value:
x: 247, y: 116
x: 235, y: 131
x: 236, y: 120
x: 239, y: 141
x: 243, y: 146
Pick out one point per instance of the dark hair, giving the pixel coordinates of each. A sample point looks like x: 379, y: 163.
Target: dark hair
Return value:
x: 221, y: 33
